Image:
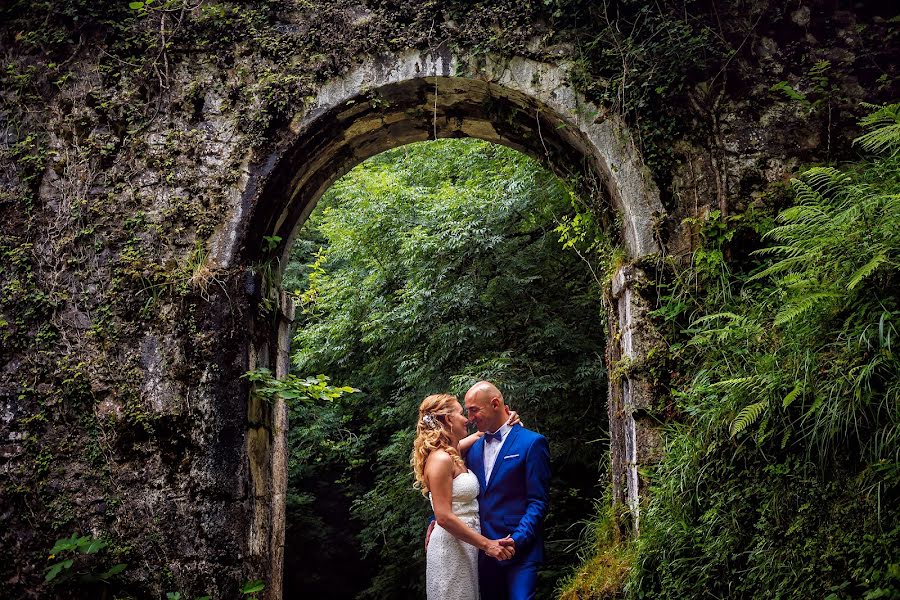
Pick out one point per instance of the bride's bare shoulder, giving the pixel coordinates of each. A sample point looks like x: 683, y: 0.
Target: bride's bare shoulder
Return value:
x: 438, y: 458
x: 438, y: 466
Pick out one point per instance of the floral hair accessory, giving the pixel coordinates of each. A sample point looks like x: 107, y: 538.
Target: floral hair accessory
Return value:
x: 430, y: 422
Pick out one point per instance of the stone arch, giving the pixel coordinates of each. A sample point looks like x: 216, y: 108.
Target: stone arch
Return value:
x: 392, y: 100
x: 388, y: 101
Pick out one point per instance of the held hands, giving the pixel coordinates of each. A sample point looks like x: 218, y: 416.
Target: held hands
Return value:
x: 503, y: 549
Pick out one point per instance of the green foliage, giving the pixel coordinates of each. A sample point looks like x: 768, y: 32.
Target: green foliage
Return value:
x: 271, y: 241
x: 643, y: 60
x: 425, y: 269
x: 747, y: 416
x: 820, y: 88
x: 782, y: 478
x: 252, y: 588
x: 583, y: 234
x: 71, y: 561
x: 295, y: 389
x: 140, y: 6
x: 884, y: 137
x: 790, y: 93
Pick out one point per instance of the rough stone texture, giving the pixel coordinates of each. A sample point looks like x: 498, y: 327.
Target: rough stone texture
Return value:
x: 146, y: 156
x: 634, y: 347
x: 413, y: 96
x: 280, y: 450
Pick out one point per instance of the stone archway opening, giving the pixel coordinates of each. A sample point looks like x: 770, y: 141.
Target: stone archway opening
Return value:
x: 391, y: 101
x: 435, y: 262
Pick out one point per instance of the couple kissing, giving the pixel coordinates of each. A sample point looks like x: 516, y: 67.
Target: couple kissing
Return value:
x: 489, y: 492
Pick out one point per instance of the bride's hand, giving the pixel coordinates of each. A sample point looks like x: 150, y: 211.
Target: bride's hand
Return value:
x: 513, y: 418
x: 498, y: 551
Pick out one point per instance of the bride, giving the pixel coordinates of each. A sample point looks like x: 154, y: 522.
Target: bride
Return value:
x: 451, y: 571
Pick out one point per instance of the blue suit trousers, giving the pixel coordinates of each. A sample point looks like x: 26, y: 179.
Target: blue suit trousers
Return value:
x: 502, y: 581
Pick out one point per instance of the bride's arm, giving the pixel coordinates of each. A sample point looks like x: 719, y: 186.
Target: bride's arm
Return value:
x: 467, y: 442
x: 439, y: 477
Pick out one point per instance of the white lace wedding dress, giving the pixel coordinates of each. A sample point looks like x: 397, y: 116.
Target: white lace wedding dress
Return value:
x: 451, y: 565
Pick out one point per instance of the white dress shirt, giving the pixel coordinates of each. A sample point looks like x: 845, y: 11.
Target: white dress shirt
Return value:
x: 492, y: 450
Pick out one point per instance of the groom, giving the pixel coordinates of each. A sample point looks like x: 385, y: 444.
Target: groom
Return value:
x: 513, y: 469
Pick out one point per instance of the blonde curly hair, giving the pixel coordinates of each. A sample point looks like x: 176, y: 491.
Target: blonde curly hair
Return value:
x: 433, y: 433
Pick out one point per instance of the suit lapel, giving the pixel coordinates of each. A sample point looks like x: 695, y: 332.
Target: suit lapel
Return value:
x: 499, y: 463
x: 477, y: 455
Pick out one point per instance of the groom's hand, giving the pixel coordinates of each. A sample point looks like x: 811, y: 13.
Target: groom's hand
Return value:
x: 498, y: 550
x: 509, y: 545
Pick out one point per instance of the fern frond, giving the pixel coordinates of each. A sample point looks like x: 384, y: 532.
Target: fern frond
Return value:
x: 865, y: 270
x: 786, y: 251
x: 881, y: 140
x: 743, y: 384
x: 747, y: 416
x: 804, y: 194
x: 792, y: 395
x: 788, y: 264
x: 733, y: 317
x: 885, y: 134
x: 733, y: 326
x: 802, y: 305
x: 799, y: 281
x: 857, y: 204
x: 784, y: 233
x: 824, y: 179
x: 785, y: 438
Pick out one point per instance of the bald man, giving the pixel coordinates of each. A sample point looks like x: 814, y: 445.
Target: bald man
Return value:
x: 513, y: 469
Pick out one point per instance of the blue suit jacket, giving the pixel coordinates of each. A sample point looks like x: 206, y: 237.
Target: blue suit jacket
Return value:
x: 515, y: 500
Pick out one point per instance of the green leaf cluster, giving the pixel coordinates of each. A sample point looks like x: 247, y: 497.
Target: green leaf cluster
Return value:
x: 71, y: 561
x: 295, y: 389
x: 252, y: 588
